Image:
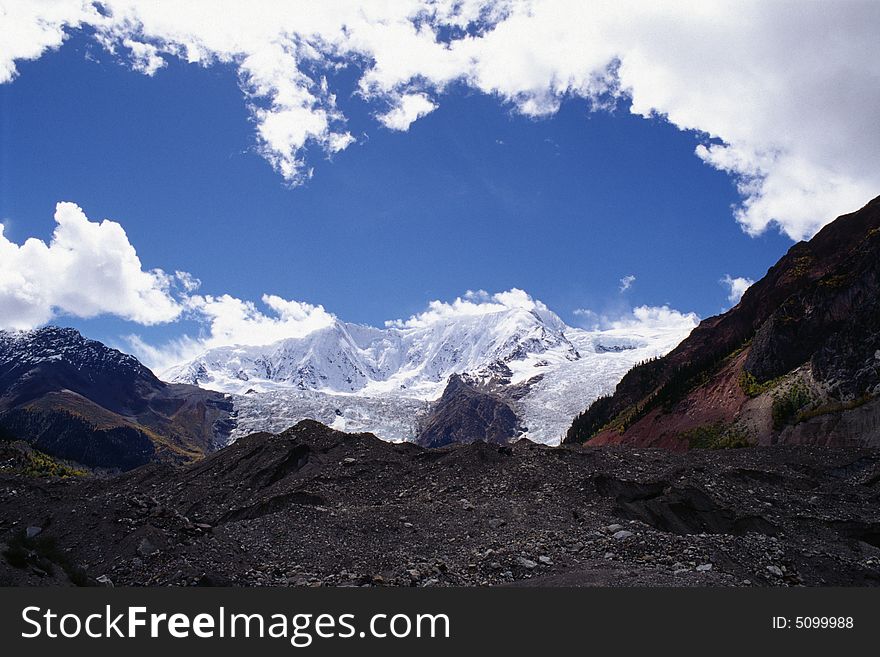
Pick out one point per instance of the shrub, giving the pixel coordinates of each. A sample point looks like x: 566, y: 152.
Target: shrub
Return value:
x: 787, y: 405
x: 42, y: 552
x: 751, y: 387
x: 716, y: 436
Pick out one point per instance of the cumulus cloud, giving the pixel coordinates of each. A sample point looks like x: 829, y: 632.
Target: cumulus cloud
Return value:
x: 653, y: 318
x: 87, y: 269
x: 409, y: 108
x: 28, y: 29
x: 232, y: 321
x: 473, y: 304
x: 626, y: 283
x: 783, y: 96
x: 229, y: 321
x: 736, y: 287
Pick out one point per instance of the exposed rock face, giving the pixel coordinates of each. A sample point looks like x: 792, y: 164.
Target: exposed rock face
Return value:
x: 797, y: 360
x: 313, y: 506
x: 78, y: 399
x: 465, y: 414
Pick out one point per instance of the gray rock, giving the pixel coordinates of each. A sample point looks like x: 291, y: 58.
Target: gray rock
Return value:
x: 33, y: 532
x: 704, y: 567
x: 544, y: 559
x: 622, y: 534
x: 526, y: 563
x: 614, y: 528
x: 496, y: 523
x: 103, y: 580
x: 775, y: 570
x: 146, y: 549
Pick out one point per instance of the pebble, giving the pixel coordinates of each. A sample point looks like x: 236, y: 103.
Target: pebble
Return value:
x: 704, y: 567
x: 614, y: 528
x: 622, y: 534
x: 145, y: 548
x: 526, y: 563
x: 544, y: 559
x: 775, y: 570
x: 33, y: 532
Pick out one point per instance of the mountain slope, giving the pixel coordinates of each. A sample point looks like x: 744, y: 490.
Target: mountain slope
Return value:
x: 796, y: 361
x: 359, y: 378
x: 78, y: 399
x: 466, y: 413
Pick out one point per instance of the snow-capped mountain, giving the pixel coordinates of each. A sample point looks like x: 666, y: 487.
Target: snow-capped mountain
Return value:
x: 78, y: 399
x: 361, y: 378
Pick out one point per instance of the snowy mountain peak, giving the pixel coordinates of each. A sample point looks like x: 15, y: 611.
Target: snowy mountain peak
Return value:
x: 56, y: 344
x: 348, y: 358
x: 362, y: 378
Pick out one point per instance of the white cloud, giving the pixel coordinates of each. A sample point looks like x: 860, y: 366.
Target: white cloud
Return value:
x: 736, y: 287
x: 162, y: 357
x: 626, y: 283
x: 144, y: 56
x: 409, y: 108
x: 232, y: 321
x: 187, y: 281
x: 28, y: 29
x: 473, y: 304
x: 658, y: 317
x: 783, y: 96
x: 652, y: 318
x: 86, y: 269
x: 227, y: 321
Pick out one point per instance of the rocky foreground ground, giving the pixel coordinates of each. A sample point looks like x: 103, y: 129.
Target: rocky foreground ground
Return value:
x: 313, y: 507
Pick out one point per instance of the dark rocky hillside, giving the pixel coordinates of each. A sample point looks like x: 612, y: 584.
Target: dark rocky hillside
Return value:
x: 797, y: 361
x: 77, y: 399
x: 313, y: 506
x: 465, y: 413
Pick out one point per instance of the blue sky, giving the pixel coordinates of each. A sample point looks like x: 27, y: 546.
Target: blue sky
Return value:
x: 473, y: 196
x: 490, y: 144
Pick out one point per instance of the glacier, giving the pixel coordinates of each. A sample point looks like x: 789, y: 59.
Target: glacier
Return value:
x: 383, y: 380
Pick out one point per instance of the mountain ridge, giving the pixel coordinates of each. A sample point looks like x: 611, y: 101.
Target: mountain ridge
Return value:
x: 78, y: 399
x: 345, y: 375
x: 802, y: 343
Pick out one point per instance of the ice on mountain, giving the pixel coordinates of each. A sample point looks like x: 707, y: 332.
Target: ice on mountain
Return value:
x: 361, y: 378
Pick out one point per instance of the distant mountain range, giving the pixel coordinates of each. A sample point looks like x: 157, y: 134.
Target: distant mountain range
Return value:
x: 496, y: 376
x: 797, y: 361
x: 80, y: 400
x: 386, y: 381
